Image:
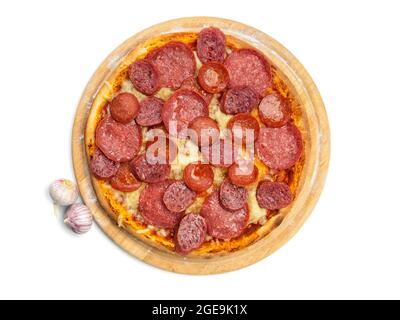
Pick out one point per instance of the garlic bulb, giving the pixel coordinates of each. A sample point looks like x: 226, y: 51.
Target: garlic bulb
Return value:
x: 63, y: 192
x: 79, y: 218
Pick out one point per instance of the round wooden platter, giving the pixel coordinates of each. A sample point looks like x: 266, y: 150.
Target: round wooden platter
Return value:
x: 317, y: 148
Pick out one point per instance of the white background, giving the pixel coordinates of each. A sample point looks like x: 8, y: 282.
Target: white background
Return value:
x: 349, y: 248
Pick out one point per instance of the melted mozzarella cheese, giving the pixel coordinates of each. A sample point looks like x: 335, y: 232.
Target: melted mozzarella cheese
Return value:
x: 188, y: 152
x: 219, y: 175
x: 256, y: 212
x: 132, y: 199
x: 164, y: 93
x: 198, y: 62
x: 195, y: 207
x: 216, y: 114
x: 127, y: 86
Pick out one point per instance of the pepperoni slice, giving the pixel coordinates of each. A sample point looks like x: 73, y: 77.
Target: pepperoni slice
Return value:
x: 243, y: 172
x: 211, y: 45
x: 221, y: 223
x: 144, y: 76
x: 273, y: 195
x: 191, y: 233
x: 174, y: 62
x: 206, y: 131
x: 149, y: 172
x: 124, y: 179
x: 213, y: 77
x: 101, y: 166
x: 274, y: 111
x: 279, y: 148
x: 152, y: 208
x: 243, y: 126
x: 150, y: 112
x: 192, y: 84
x: 178, y: 197
x: 181, y: 109
x: 232, y: 197
x: 248, y: 67
x: 238, y: 100
x: 119, y: 142
x: 220, y: 154
x: 124, y: 107
x: 159, y: 148
x: 198, y: 176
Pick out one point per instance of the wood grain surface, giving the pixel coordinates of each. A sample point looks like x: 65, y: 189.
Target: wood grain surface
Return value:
x: 317, y: 148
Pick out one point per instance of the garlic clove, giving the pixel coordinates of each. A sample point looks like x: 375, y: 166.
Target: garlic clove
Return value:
x: 79, y: 218
x: 63, y: 192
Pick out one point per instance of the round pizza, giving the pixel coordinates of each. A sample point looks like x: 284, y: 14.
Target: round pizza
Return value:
x: 193, y: 143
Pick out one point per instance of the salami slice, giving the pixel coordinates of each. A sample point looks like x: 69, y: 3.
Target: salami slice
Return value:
x: 180, y: 109
x: 149, y: 172
x: 193, y: 85
x: 152, y: 208
x: 150, y: 112
x: 191, y: 233
x: 174, y: 62
x: 248, y: 67
x: 101, y: 166
x: 211, y: 45
x: 232, y: 197
x: 273, y: 195
x: 119, y: 142
x: 144, y: 77
x: 239, y: 99
x: 279, y: 148
x: 274, y: 111
x: 178, y: 197
x: 221, y: 223
x: 124, y: 107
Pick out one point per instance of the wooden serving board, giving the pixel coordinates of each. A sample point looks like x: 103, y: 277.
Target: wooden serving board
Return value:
x: 317, y: 148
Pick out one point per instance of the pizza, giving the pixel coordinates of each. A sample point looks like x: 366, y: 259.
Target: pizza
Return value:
x: 194, y: 143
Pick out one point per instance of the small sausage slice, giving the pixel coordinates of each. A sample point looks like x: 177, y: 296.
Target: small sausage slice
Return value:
x: 213, y: 77
x: 273, y: 195
x: 150, y: 112
x: 232, y: 197
x: 211, y: 45
x: 178, y: 197
x: 280, y: 148
x: 274, y: 111
x: 144, y: 77
x: 191, y: 233
x: 239, y: 100
x: 124, y: 107
x: 101, y: 166
x: 149, y: 172
x: 198, y: 177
